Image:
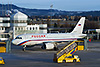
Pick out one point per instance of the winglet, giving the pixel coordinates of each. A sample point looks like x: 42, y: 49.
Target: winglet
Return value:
x: 79, y: 27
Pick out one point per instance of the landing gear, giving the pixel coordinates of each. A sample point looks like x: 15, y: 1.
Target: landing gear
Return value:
x: 24, y: 47
x: 55, y: 46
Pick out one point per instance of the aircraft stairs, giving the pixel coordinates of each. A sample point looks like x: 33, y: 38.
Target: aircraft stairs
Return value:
x: 65, y: 51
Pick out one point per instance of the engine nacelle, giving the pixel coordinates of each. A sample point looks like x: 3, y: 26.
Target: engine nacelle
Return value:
x: 98, y: 30
x: 48, y: 46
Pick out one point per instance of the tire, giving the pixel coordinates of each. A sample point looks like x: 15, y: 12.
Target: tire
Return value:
x: 74, y: 61
x: 55, y: 48
x: 64, y: 61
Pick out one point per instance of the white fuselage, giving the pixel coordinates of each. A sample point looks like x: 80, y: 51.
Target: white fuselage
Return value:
x: 32, y: 39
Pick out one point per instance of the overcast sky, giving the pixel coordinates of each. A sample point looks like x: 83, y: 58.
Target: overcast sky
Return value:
x: 68, y: 5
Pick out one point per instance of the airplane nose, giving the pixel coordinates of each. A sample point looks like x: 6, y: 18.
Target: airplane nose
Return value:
x: 14, y: 42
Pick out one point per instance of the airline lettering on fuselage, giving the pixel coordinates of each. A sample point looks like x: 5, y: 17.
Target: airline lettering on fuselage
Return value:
x: 38, y: 36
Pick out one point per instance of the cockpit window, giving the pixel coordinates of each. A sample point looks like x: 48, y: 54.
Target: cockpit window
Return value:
x: 18, y: 38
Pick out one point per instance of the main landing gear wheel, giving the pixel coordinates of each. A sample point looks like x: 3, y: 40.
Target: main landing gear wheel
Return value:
x: 55, y: 48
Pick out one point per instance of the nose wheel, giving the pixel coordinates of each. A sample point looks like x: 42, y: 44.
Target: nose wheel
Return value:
x: 24, y: 47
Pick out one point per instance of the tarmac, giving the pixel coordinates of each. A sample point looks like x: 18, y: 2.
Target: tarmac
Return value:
x: 37, y: 57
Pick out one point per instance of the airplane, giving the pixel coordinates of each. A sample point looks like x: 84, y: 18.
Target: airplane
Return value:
x: 49, y: 39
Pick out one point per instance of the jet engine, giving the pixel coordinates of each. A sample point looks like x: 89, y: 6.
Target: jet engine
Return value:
x: 49, y: 46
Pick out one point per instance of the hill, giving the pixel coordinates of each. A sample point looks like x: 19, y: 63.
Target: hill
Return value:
x: 43, y: 12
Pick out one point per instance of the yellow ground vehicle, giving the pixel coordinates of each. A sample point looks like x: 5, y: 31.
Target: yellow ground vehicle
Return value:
x: 66, y: 52
x: 2, y: 60
x: 2, y: 47
x: 73, y: 58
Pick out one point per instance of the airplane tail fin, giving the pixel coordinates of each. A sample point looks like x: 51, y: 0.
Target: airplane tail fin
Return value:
x: 79, y: 27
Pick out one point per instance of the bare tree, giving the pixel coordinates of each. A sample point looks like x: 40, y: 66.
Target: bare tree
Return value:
x: 91, y: 25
